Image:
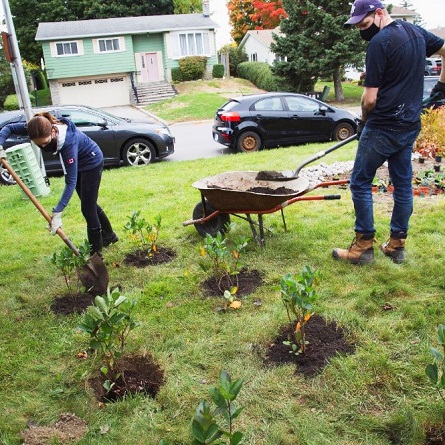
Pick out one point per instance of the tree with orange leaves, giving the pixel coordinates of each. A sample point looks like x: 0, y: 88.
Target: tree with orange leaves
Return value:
x: 239, y: 17
x: 268, y: 14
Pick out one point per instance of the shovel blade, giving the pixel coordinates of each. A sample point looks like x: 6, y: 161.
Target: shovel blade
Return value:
x: 94, y: 275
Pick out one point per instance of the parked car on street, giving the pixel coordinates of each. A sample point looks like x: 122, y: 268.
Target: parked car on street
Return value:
x: 432, y: 66
x: 250, y: 123
x: 428, y: 84
x: 123, y: 141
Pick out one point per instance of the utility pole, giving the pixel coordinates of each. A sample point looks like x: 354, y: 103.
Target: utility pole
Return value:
x: 12, y: 53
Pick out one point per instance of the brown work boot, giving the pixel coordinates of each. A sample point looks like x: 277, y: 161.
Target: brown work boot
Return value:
x: 361, y: 250
x: 395, y: 247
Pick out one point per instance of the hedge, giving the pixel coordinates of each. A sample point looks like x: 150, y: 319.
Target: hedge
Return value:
x: 260, y: 74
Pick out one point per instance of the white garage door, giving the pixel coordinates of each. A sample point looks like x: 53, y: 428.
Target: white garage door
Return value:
x: 97, y: 92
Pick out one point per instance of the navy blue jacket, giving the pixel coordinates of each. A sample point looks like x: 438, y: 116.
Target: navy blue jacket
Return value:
x: 79, y: 153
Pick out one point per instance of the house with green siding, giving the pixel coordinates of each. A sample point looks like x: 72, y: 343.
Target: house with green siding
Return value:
x: 102, y: 62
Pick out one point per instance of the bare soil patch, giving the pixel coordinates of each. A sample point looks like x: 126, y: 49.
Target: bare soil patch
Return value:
x: 72, y: 303
x: 69, y: 428
x: 138, y: 374
x: 247, y: 281
x: 142, y: 258
x: 326, y: 340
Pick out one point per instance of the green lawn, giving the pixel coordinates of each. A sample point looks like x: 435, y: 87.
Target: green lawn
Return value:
x: 377, y: 396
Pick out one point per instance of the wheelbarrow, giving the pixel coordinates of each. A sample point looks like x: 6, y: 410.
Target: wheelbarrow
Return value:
x: 240, y: 194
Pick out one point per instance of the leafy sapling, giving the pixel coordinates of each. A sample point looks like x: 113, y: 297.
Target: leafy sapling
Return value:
x: 108, y: 322
x: 144, y: 234
x: 436, y: 371
x: 205, y: 427
x: 298, y: 295
x: 224, y: 255
x: 70, y: 264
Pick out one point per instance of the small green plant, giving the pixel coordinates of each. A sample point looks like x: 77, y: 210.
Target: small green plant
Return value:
x: 205, y: 428
x: 108, y: 322
x: 298, y: 295
x: 69, y: 264
x: 436, y: 371
x: 145, y: 235
x: 224, y: 256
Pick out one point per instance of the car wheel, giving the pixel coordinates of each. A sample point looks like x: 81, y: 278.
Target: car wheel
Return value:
x: 138, y: 152
x: 248, y: 142
x: 343, y: 131
x: 5, y: 177
x: 212, y: 226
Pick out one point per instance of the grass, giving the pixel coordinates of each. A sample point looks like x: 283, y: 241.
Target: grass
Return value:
x: 378, y: 396
x: 198, y: 100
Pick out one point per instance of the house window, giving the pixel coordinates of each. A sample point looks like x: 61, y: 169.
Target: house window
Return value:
x: 194, y: 44
x: 107, y: 45
x: 254, y: 57
x: 67, y: 49
x: 111, y: 45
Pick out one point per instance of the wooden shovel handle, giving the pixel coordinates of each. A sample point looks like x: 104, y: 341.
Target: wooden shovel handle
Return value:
x: 39, y: 206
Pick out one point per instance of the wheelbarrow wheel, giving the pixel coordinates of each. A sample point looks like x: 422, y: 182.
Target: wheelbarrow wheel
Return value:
x: 212, y: 226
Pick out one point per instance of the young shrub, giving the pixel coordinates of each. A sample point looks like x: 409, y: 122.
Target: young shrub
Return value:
x: 298, y: 295
x: 436, y: 371
x: 177, y: 74
x: 218, y: 71
x: 69, y: 264
x: 205, y: 427
x: 109, y: 322
x: 143, y: 234
x: 224, y: 255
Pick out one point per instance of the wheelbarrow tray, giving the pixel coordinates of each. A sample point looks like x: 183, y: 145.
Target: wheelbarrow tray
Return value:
x: 241, y: 191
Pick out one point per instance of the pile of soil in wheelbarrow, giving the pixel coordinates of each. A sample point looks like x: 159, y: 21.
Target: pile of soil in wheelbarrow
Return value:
x: 269, y: 191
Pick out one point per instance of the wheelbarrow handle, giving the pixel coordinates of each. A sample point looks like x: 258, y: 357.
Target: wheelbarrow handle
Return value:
x: 39, y: 206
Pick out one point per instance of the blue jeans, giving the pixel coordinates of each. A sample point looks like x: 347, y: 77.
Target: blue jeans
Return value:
x: 375, y: 147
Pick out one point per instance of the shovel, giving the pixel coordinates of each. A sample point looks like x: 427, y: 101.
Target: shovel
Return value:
x: 269, y: 175
x: 94, y: 275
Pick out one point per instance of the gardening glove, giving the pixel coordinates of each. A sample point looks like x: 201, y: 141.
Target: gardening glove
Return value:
x: 360, y: 127
x: 56, y: 222
x: 438, y: 89
x: 2, y: 152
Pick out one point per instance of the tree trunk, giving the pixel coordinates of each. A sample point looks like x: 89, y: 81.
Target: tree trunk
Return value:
x: 339, y: 96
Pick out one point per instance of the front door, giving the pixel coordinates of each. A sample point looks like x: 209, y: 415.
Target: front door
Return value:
x: 150, y: 69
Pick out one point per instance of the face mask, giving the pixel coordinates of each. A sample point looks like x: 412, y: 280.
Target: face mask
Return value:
x: 368, y: 33
x: 51, y: 147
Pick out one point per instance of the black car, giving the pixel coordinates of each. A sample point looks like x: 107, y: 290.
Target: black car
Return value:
x: 250, y: 123
x: 122, y: 141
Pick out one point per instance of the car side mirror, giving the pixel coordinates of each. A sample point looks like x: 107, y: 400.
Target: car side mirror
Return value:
x: 322, y: 110
x: 103, y: 123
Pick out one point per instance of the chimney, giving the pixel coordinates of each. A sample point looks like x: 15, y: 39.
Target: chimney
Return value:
x: 206, y: 8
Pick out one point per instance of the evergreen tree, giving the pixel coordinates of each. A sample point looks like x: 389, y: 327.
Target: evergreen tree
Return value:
x: 315, y: 45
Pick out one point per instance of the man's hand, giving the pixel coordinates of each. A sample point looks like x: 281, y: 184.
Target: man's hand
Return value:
x: 56, y: 222
x: 360, y: 127
x: 439, y: 90
x: 2, y: 152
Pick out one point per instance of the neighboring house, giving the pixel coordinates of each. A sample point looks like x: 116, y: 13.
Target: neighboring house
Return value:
x: 101, y: 62
x: 401, y: 13
x: 257, y: 43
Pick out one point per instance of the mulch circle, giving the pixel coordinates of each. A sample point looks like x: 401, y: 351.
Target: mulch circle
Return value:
x: 139, y: 374
x: 142, y: 258
x: 247, y: 281
x: 326, y: 340
x: 73, y: 303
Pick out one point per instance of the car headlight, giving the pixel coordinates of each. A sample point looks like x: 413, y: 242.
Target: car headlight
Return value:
x: 164, y: 130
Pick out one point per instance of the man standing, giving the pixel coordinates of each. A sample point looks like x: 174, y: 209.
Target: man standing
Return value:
x: 391, y: 106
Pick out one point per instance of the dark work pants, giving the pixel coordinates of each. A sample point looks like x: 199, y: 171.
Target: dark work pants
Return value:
x: 87, y: 188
